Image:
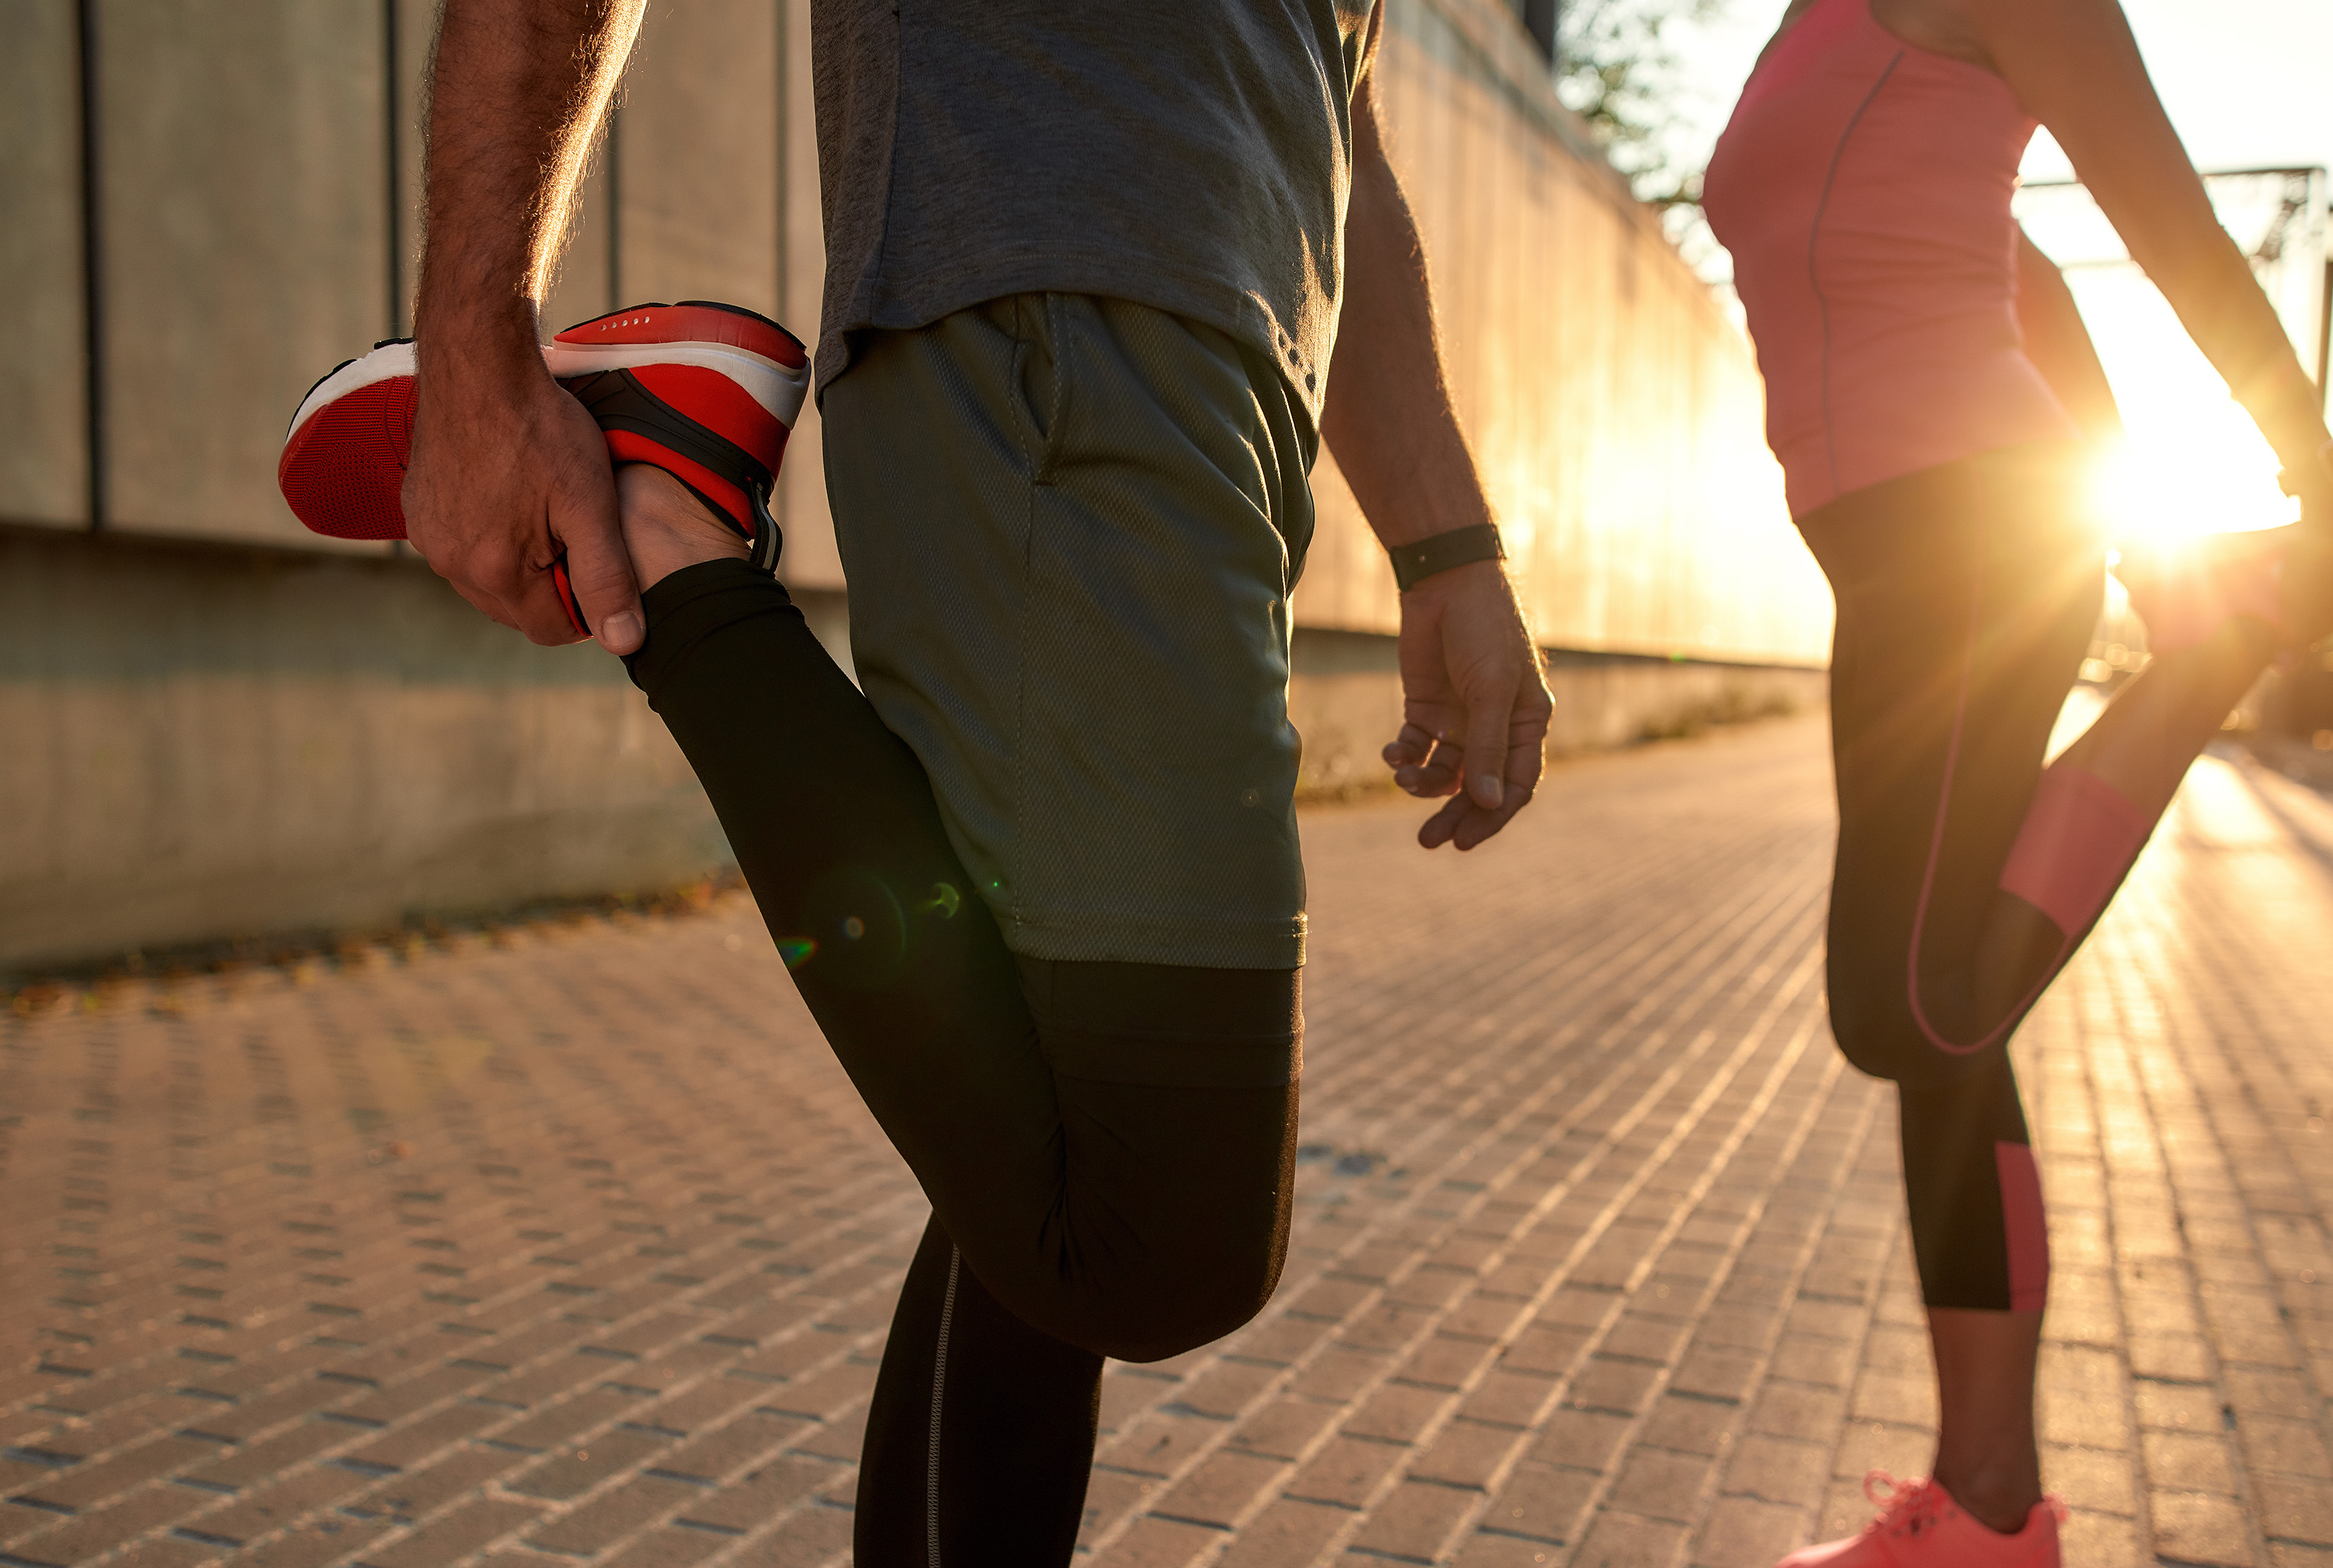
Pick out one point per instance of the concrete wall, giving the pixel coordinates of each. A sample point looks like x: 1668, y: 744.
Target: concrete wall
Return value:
x: 219, y: 723
x: 207, y: 741
x: 1345, y: 698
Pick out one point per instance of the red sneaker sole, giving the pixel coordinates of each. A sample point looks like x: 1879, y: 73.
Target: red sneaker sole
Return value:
x: 342, y: 469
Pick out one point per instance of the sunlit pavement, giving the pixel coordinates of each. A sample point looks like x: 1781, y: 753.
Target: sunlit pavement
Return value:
x: 573, y: 1245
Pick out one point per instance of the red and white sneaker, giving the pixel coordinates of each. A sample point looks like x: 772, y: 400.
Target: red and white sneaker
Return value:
x: 1920, y: 1526
x: 706, y: 392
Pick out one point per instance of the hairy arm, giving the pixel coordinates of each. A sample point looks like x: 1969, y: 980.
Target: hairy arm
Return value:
x: 508, y: 473
x: 2059, y: 345
x: 2076, y: 67
x: 1475, y: 709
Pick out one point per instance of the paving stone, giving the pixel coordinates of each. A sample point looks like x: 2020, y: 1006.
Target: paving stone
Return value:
x: 754, y: 1435
x: 1223, y: 1485
x: 1160, y: 1443
x: 617, y: 1511
x: 1748, y: 1530
x: 275, y: 1503
x: 760, y: 1495
x: 660, y: 1548
x: 1284, y: 1428
x: 1691, y: 1425
x: 452, y: 1474
x: 1657, y: 1483
x: 812, y: 1537
x: 2296, y: 1510
x: 2088, y: 1537
x: 451, y: 1536
x: 1543, y: 1502
x: 1773, y: 1469
x: 2190, y: 1462
x: 1287, y: 1532
x: 570, y: 1475
x: 1466, y: 1454
x: 1155, y: 1542
x: 1621, y: 1540
x: 173, y: 1551
x: 2198, y: 1528
x: 1412, y: 1522
x: 1346, y: 1471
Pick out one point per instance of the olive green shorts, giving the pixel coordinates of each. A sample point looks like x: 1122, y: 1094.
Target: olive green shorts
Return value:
x: 1069, y: 526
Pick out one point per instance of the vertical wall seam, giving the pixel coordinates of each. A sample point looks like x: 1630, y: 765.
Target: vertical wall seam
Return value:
x: 393, y: 148
x: 615, y: 201
x: 784, y: 110
x: 783, y: 97
x: 93, y: 266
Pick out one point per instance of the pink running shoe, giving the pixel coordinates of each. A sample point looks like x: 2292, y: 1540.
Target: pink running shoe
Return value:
x: 1920, y: 1526
x: 706, y: 392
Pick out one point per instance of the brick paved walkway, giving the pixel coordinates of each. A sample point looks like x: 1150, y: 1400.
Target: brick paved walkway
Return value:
x: 573, y: 1245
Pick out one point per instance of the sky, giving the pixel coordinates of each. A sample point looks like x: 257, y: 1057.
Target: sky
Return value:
x: 2248, y: 84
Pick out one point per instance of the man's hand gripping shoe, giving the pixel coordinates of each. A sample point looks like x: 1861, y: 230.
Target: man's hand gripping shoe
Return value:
x: 706, y: 392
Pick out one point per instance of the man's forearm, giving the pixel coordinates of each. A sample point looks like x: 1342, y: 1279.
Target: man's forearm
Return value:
x: 1387, y: 416
x: 518, y: 90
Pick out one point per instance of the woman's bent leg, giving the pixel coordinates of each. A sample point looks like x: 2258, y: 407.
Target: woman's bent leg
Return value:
x: 1966, y: 601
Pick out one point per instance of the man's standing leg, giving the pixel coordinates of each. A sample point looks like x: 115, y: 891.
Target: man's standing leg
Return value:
x: 1070, y: 596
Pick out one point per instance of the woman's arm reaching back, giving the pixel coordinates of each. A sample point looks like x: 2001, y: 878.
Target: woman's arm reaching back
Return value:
x: 2059, y: 344
x: 2076, y: 67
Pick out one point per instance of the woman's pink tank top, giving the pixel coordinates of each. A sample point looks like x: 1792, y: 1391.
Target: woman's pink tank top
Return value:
x: 1863, y: 185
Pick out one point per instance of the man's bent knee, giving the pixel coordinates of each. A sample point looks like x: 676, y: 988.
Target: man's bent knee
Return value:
x: 1160, y: 1321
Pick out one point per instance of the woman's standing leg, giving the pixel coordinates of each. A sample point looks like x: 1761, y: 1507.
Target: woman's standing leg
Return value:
x: 1966, y: 601
x: 1968, y: 875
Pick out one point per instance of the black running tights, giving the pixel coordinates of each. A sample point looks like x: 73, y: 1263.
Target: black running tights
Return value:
x: 1967, y: 596
x: 1108, y: 1148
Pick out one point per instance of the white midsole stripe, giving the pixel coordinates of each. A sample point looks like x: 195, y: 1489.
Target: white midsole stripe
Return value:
x: 769, y: 383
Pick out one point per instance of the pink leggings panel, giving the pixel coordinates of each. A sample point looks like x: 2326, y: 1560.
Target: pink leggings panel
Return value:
x: 2080, y: 837
x: 2027, y: 1226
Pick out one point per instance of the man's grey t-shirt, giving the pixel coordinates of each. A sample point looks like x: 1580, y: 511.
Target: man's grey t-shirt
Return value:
x: 1194, y: 156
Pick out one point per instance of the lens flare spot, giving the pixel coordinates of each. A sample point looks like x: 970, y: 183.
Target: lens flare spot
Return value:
x: 853, y: 927
x: 796, y: 950
x: 945, y: 900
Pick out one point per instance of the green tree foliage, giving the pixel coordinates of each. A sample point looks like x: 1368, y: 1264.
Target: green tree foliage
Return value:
x: 1618, y: 68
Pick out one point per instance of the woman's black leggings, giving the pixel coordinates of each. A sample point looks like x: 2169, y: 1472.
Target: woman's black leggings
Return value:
x: 1967, y: 598
x: 1107, y: 1147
